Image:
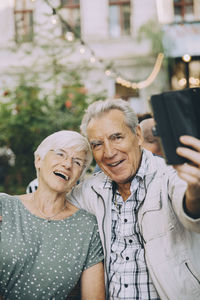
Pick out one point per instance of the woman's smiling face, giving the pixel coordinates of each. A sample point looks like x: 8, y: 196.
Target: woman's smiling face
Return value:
x: 61, y: 168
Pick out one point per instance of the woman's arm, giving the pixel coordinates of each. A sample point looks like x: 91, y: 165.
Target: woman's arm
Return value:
x: 92, y: 283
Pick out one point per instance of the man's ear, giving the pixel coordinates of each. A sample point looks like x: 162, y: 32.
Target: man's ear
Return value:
x: 138, y: 132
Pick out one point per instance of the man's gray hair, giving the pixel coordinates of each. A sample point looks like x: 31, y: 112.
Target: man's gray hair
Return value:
x: 100, y: 107
x: 67, y: 139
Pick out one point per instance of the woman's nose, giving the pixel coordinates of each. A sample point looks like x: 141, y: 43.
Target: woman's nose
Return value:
x: 67, y: 162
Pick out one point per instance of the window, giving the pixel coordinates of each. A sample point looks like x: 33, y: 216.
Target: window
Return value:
x: 125, y: 92
x: 119, y: 18
x: 23, y: 17
x: 71, y: 14
x: 183, y: 10
x: 186, y: 74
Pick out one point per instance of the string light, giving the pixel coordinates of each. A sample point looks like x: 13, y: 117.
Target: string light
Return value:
x: 54, y: 17
x: 69, y: 36
x: 72, y: 34
x: 92, y: 59
x: 108, y: 72
x: 144, y: 83
x: 82, y: 50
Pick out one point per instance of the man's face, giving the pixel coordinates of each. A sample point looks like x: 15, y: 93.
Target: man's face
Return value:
x: 115, y: 147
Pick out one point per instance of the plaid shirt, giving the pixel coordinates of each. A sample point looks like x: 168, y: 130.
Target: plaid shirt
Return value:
x: 128, y: 275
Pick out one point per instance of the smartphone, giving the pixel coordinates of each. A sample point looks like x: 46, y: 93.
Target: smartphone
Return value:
x: 176, y: 113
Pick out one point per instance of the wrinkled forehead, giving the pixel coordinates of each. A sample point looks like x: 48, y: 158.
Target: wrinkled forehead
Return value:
x: 70, y: 145
x: 72, y: 151
x: 107, y: 124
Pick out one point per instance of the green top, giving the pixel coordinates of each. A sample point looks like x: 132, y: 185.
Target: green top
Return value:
x: 42, y: 259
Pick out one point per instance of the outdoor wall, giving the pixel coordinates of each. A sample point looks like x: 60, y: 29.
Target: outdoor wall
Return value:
x: 129, y: 57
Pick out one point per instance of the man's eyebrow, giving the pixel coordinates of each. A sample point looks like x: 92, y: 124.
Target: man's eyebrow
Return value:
x: 116, y: 134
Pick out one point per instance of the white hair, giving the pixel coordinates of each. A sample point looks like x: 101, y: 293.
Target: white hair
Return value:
x: 100, y: 107
x: 67, y: 139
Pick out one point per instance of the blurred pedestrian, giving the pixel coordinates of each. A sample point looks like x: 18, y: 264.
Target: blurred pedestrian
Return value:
x: 150, y: 142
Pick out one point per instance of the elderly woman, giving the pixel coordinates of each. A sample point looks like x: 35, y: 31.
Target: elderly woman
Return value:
x: 46, y: 243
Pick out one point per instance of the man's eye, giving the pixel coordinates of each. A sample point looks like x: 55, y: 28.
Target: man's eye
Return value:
x: 116, y: 137
x: 95, y: 146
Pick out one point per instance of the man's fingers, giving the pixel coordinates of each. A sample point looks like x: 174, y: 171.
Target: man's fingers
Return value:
x: 190, y: 141
x: 189, y: 173
x: 189, y: 154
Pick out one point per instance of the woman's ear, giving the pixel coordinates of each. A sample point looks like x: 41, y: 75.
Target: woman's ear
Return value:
x: 37, y: 162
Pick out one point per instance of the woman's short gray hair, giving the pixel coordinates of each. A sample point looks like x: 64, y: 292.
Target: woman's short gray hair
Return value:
x: 67, y: 139
x: 100, y: 107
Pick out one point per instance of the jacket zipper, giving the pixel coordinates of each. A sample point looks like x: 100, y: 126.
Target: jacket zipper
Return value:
x: 186, y: 264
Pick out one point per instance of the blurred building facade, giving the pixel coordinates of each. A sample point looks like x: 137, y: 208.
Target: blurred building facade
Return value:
x: 107, y: 36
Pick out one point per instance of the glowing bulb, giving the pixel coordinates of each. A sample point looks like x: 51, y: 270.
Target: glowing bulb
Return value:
x: 182, y: 82
x: 92, y: 59
x: 186, y: 58
x: 69, y: 36
x: 82, y: 50
x: 119, y: 80
x: 194, y: 81
x: 134, y: 85
x: 54, y: 19
x: 108, y: 72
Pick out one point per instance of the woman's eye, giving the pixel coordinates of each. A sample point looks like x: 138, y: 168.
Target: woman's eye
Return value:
x: 60, y: 154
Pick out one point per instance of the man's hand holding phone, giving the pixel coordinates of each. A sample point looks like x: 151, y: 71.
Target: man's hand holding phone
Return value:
x: 190, y: 172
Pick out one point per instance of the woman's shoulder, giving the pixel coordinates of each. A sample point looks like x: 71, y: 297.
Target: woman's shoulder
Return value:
x: 87, y: 216
x: 4, y: 196
x: 7, y: 199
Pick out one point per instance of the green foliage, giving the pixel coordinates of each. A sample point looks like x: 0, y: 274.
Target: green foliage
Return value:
x: 152, y: 31
x: 26, y: 119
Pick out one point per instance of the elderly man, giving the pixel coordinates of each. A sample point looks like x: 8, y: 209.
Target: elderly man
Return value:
x: 148, y: 217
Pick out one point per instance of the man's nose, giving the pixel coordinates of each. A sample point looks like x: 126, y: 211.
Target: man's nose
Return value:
x: 109, y: 150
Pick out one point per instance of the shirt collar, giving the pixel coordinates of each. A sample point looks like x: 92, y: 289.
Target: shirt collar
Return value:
x: 142, y: 171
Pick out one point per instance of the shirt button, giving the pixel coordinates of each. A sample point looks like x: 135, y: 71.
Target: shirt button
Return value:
x: 127, y: 258
x: 126, y: 285
x: 130, y: 241
x: 125, y: 220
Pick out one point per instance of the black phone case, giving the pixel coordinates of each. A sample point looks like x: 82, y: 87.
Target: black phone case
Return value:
x: 176, y: 113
